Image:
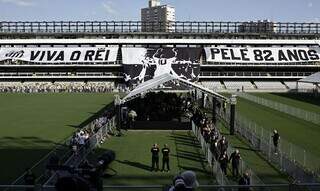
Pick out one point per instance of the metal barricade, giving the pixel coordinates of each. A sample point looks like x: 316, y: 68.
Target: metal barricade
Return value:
x: 285, y: 157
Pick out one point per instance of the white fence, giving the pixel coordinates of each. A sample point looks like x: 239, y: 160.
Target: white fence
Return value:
x: 95, y: 140
x: 288, y: 157
x: 216, y: 170
x: 221, y: 178
x: 296, y: 112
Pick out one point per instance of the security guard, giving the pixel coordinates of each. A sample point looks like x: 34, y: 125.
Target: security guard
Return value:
x: 165, y: 158
x: 276, y: 139
x: 155, y: 157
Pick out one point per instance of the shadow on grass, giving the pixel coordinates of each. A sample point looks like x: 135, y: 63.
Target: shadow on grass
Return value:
x: 135, y: 164
x: 246, y: 148
x: 19, y: 153
x: 22, y: 142
x: 22, y: 159
x: 188, y: 148
x: 185, y: 141
x: 304, y: 97
x: 109, y: 107
x: 194, y: 169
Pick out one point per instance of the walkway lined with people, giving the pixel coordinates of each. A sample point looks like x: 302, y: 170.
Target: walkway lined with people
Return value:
x: 220, y: 153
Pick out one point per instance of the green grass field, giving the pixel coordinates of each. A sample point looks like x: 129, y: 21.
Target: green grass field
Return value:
x: 31, y: 125
x: 267, y: 173
x: 299, y: 132
x: 300, y: 101
x: 133, y: 158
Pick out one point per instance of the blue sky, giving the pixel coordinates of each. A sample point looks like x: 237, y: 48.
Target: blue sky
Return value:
x: 200, y: 10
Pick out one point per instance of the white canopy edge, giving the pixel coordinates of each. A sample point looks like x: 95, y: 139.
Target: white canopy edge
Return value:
x: 314, y: 79
x: 155, y: 82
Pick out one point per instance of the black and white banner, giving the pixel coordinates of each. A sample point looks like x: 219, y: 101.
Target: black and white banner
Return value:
x: 58, y: 55
x: 262, y: 55
x: 142, y: 64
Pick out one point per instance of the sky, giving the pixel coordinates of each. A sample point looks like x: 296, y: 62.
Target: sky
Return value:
x: 191, y: 10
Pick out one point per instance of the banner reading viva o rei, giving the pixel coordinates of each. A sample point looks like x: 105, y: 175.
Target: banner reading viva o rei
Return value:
x: 59, y: 55
x: 262, y: 55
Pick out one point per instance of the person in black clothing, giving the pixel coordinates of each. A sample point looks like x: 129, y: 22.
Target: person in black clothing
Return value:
x: 155, y: 157
x: 245, y: 181
x: 224, y: 162
x: 275, y: 138
x: 29, y: 179
x: 215, y: 149
x: 235, y: 162
x: 223, y: 144
x: 165, y: 158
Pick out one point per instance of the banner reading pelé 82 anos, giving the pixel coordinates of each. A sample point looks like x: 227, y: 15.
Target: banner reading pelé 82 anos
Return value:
x: 262, y: 55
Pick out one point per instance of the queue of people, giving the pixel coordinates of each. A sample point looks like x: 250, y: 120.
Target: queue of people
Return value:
x: 81, y: 137
x: 219, y: 147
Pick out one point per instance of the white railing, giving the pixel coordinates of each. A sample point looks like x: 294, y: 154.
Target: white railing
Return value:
x: 296, y: 112
x: 220, y: 177
x: 288, y: 157
x: 94, y: 141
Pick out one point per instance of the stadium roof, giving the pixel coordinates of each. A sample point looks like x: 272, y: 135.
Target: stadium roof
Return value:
x: 157, y: 81
x: 314, y: 79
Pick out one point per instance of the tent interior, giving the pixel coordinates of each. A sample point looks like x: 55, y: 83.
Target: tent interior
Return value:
x: 161, y: 103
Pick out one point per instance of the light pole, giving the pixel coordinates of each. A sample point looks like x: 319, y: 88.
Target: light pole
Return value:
x: 214, y: 110
x: 117, y: 105
x: 233, y: 102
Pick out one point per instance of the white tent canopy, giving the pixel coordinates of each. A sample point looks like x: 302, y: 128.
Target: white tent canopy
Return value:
x: 157, y: 81
x: 314, y: 79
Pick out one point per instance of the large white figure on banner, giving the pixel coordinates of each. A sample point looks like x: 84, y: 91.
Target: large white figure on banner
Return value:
x: 141, y: 64
x: 164, y: 65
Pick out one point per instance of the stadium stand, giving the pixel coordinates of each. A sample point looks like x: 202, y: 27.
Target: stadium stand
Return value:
x: 291, y: 85
x: 213, y: 85
x: 238, y: 85
x: 44, y: 87
x: 270, y: 85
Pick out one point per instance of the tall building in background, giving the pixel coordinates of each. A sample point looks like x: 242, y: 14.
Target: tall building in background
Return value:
x: 158, y: 18
x: 261, y: 26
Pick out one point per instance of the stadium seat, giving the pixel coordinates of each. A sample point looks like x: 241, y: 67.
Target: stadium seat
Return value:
x: 237, y: 85
x: 270, y: 85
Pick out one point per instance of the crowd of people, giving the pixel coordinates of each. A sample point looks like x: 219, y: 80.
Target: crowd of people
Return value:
x: 219, y: 146
x: 80, y: 138
x: 57, y: 87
